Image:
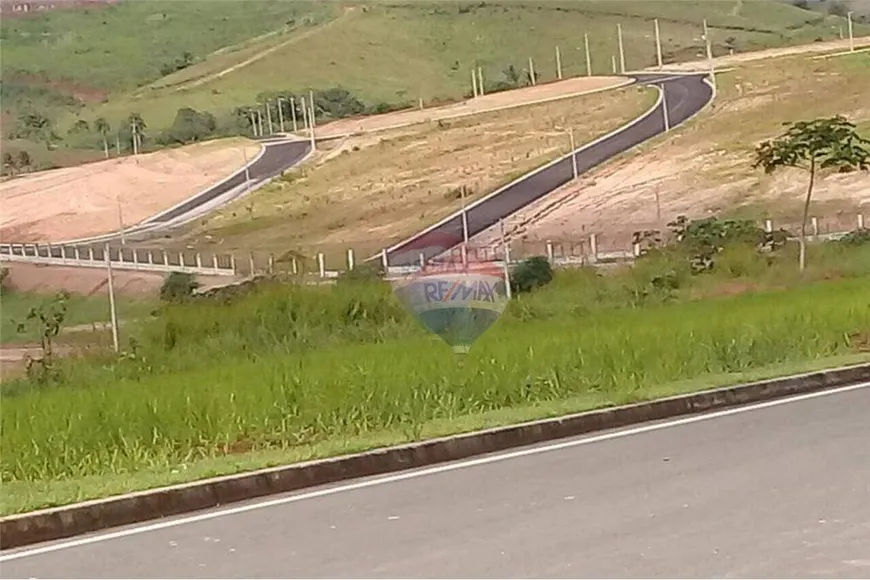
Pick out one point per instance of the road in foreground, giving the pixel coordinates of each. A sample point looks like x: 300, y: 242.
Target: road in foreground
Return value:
x: 778, y: 489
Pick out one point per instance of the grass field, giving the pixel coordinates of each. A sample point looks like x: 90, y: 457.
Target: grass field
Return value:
x: 383, y: 52
x: 370, y: 191
x: 303, y: 369
x: 82, y: 311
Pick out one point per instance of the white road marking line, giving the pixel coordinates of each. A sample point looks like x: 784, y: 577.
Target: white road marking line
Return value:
x: 210, y: 515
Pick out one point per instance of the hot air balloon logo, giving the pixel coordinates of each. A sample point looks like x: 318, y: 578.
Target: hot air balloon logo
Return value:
x: 455, y: 297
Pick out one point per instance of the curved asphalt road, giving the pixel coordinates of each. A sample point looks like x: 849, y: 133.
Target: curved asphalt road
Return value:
x: 780, y: 489
x: 685, y: 95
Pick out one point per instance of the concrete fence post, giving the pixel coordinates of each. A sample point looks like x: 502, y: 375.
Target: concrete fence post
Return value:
x: 198, y: 260
x: 815, y: 226
x: 136, y: 258
x: 550, y: 251
x: 91, y: 253
x: 635, y: 250
x: 214, y: 262
x: 233, y: 263
x: 271, y: 264
x: 75, y: 253
x: 165, y: 258
x: 385, y: 260
x: 321, y: 264
x: 422, y: 260
x: 251, y: 266
x: 860, y: 221
x: 350, y: 262
x: 593, y: 246
x: 768, y: 225
x: 181, y: 259
x: 295, y: 266
x: 507, y: 253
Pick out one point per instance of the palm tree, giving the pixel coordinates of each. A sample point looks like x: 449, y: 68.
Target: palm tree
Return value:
x: 102, y: 126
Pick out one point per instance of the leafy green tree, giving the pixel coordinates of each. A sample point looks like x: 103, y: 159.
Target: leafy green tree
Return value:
x: 829, y: 143
x: 190, y: 126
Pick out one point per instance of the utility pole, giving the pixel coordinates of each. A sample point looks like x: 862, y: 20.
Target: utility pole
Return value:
x: 112, y: 311
x: 464, y: 216
x: 665, y: 108
x: 558, y: 64
x: 269, y: 116
x: 621, y: 49
x: 505, y: 252
x: 120, y: 219
x: 293, y: 113
x: 532, y: 72
x: 658, y: 44
x: 573, y: 148
x: 247, y: 169
x: 851, y: 36
x: 588, y: 56
x: 280, y: 102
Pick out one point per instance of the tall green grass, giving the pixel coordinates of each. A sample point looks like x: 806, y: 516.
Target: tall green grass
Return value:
x: 109, y: 422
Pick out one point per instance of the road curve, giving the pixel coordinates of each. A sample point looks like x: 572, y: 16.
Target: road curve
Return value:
x: 685, y: 95
x: 777, y: 489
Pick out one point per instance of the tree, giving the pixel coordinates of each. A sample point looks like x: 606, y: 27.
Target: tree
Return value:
x: 830, y: 143
x: 190, y: 126
x: 102, y: 127
x: 137, y: 127
x: 9, y: 163
x: 23, y: 160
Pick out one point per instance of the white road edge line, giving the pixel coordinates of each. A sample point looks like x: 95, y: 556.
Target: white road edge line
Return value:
x: 84, y: 541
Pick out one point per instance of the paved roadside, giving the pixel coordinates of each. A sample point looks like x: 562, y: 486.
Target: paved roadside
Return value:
x: 772, y: 490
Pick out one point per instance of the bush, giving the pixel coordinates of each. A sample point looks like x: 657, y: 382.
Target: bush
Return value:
x: 857, y: 237
x: 178, y: 287
x: 531, y: 273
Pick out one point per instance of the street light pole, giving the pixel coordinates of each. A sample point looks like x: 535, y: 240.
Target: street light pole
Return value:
x: 573, y: 155
x: 281, y: 113
x: 665, y: 108
x: 851, y: 36
x: 112, y: 311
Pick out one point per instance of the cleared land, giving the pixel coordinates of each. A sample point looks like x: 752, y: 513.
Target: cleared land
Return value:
x: 81, y: 201
x: 706, y: 167
x: 370, y: 190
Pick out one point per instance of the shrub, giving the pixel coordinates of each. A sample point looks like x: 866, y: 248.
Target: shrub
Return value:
x: 178, y: 287
x: 858, y: 237
x: 531, y: 273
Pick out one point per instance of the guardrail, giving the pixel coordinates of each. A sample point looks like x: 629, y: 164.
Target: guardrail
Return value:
x: 138, y: 259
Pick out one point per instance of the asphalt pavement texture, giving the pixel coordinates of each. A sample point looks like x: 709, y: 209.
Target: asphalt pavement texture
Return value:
x: 779, y: 491
x: 684, y: 97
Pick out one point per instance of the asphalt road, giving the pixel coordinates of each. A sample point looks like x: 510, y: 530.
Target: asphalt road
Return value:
x: 684, y: 97
x: 277, y: 157
x: 780, y: 489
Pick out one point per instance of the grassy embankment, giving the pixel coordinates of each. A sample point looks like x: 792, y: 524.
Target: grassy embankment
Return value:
x: 315, y: 371
x: 381, y: 53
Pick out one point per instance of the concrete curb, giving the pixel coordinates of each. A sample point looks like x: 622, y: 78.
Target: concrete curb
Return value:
x: 56, y: 523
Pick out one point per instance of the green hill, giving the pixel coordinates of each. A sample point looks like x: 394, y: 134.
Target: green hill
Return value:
x: 122, y: 59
